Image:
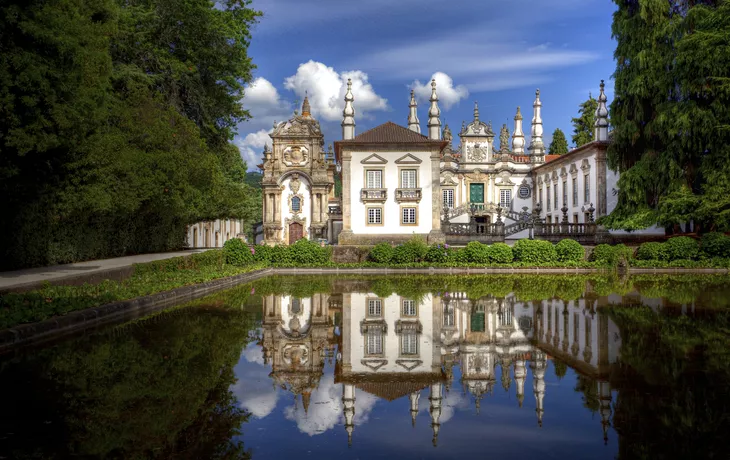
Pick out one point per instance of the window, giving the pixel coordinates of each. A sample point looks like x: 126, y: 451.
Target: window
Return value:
x: 587, y: 188
x: 375, y: 307
x: 548, y: 219
x: 296, y: 306
x: 565, y: 193
x: 505, y: 198
x: 448, y: 198
x: 575, y: 218
x: 448, y: 315
x: 409, y: 344
x: 557, y: 203
x: 375, y: 342
x: 374, y: 178
x: 548, y: 198
x: 375, y: 216
x: 575, y: 192
x: 409, y: 216
x: 409, y: 307
x: 408, y: 178
x: 539, y: 200
x: 296, y: 204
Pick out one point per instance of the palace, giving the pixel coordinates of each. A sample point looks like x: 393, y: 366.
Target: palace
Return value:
x: 398, y: 182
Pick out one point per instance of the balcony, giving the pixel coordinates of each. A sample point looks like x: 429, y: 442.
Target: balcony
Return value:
x: 379, y: 195
x: 408, y: 195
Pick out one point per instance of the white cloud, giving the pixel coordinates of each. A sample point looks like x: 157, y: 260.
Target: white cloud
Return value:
x: 253, y: 354
x: 251, y: 147
x: 326, y: 89
x: 326, y: 410
x: 448, y: 94
x: 254, y: 388
x: 540, y: 47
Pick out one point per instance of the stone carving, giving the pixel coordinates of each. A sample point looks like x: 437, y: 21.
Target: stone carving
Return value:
x: 296, y: 156
x: 504, y: 139
x: 476, y: 152
x: 448, y: 179
x: 295, y: 183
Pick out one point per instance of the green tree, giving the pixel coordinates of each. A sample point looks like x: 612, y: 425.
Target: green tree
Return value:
x: 559, y: 144
x: 670, y: 114
x: 584, y: 124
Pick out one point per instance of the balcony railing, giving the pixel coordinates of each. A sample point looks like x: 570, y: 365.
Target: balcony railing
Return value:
x: 407, y: 194
x: 374, y: 194
x: 474, y: 228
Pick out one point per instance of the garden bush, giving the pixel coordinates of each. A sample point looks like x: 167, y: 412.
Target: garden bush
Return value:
x: 500, y: 253
x: 715, y: 244
x: 264, y: 253
x: 381, y: 253
x: 306, y: 252
x: 237, y: 252
x: 458, y: 256
x: 605, y: 254
x: 652, y: 251
x: 437, y: 253
x: 477, y: 252
x: 570, y: 251
x: 682, y: 247
x: 534, y: 251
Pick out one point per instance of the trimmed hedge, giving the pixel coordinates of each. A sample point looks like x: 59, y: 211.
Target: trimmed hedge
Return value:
x: 500, y: 253
x: 605, y: 254
x: 534, y: 251
x: 570, y: 251
x: 237, y: 252
x: 382, y: 253
x: 477, y: 252
x: 437, y: 253
x: 652, y: 251
x: 682, y: 247
x: 715, y: 244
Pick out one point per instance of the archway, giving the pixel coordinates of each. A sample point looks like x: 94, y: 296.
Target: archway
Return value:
x: 195, y: 237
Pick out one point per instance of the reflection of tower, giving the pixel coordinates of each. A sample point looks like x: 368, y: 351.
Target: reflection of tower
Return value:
x: 538, y: 365
x: 435, y: 410
x: 414, y: 397
x: 520, y: 375
x: 348, y: 404
x: 604, y: 392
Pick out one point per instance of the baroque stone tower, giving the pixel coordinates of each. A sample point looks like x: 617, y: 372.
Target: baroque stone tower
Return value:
x: 298, y: 181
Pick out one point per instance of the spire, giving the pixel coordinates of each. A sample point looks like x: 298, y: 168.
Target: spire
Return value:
x: 520, y: 375
x: 306, y: 110
x: 434, y: 123
x: 414, y: 397
x: 538, y: 383
x: 600, y: 131
x: 413, y: 123
x: 604, y: 392
x: 348, y: 114
x: 348, y: 404
x: 536, y: 146
x: 476, y: 111
x: 435, y: 410
x: 305, y: 401
x: 518, y: 138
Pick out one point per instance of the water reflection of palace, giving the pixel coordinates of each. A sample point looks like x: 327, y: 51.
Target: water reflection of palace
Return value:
x: 393, y: 347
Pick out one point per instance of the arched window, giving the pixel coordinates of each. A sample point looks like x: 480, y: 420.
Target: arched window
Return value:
x: 296, y: 204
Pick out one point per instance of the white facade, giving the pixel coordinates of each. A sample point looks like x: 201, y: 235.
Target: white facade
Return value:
x: 213, y: 234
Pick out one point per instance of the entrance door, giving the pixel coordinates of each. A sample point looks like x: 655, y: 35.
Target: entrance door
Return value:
x: 296, y: 232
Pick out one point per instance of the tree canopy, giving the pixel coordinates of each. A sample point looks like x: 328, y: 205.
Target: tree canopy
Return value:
x: 584, y: 125
x: 115, y: 124
x: 559, y: 144
x: 671, y: 114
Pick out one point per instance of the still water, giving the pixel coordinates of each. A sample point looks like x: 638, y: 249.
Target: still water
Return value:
x: 415, y: 367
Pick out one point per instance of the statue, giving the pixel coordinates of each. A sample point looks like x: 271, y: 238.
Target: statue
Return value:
x: 504, y: 139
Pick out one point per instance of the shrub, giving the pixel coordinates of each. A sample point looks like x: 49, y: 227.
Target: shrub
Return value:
x: 715, y: 245
x: 263, y: 253
x: 500, y: 253
x: 652, y: 251
x: 381, y: 253
x: 570, y: 251
x: 682, y: 247
x: 438, y: 253
x: 458, y: 256
x: 534, y: 251
x: 605, y: 254
x: 477, y: 252
x: 237, y: 252
x: 306, y: 252
x: 413, y: 250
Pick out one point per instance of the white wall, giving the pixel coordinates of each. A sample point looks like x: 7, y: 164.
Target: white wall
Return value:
x: 226, y: 229
x: 306, y: 211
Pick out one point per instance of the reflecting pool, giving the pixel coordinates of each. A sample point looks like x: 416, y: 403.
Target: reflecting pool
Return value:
x: 582, y: 367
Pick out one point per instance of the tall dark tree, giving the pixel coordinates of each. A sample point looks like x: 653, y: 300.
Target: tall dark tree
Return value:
x: 670, y: 114
x: 559, y: 144
x: 584, y: 124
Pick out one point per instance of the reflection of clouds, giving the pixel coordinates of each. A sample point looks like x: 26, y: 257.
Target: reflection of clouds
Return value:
x: 452, y: 401
x: 254, y: 389
x: 325, y: 408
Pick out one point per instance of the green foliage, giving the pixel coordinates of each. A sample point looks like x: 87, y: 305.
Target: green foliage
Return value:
x: 534, y: 251
x: 682, y: 247
x: 560, y: 368
x: 612, y: 256
x: 583, y: 126
x: 477, y: 252
x: 437, y: 253
x: 237, y: 252
x: 500, y: 253
x: 413, y: 250
x: 306, y: 252
x: 381, y: 253
x: 458, y: 256
x: 115, y: 125
x: 715, y: 244
x: 652, y: 251
x: 559, y: 144
x: 570, y: 250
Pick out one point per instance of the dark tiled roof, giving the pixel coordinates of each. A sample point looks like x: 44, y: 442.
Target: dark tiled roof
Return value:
x: 549, y: 158
x: 391, y: 391
x: 390, y: 133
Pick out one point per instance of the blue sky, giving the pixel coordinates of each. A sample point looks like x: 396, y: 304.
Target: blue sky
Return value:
x: 490, y: 51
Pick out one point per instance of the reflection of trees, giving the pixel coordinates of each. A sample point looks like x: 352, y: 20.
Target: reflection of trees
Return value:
x: 672, y: 384
x: 152, y: 389
x: 560, y: 369
x: 589, y: 389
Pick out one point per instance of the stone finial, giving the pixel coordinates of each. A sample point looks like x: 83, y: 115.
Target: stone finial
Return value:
x: 476, y: 111
x: 537, y: 148
x: 306, y: 109
x: 600, y: 131
x: 413, y: 123
x: 434, y: 122
x: 447, y: 134
x: 518, y: 137
x: 348, y: 114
